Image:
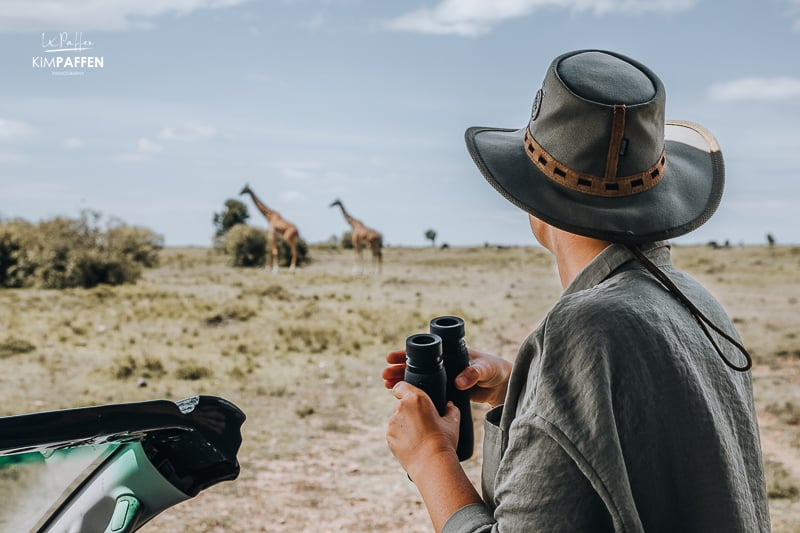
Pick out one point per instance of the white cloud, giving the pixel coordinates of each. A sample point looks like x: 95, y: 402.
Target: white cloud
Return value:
x: 145, y: 149
x: 794, y: 13
x: 316, y: 21
x: 471, y: 18
x: 89, y: 15
x: 72, y: 143
x: 292, y: 196
x: 8, y: 158
x: 189, y: 132
x: 297, y: 170
x: 15, y: 130
x: 146, y: 146
x: 756, y: 89
x: 131, y: 158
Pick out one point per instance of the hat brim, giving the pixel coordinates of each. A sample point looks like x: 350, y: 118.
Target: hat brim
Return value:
x: 685, y: 198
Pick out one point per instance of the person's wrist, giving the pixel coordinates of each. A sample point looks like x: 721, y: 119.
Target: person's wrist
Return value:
x: 428, y: 458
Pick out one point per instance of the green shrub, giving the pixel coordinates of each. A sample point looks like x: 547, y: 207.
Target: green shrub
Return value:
x: 230, y: 313
x: 138, y: 244
x: 779, y: 482
x: 347, y: 240
x: 64, y: 252
x: 124, y: 367
x: 13, y: 346
x: 153, y: 366
x: 246, y: 246
x: 235, y: 213
x: 275, y: 292
x: 192, y: 371
x: 89, y: 268
x: 16, y: 269
x: 787, y: 412
x: 285, y: 253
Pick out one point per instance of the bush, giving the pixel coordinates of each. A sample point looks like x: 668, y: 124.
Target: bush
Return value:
x: 192, y: 371
x: 779, y: 482
x: 235, y: 213
x: 285, y: 253
x: 246, y: 246
x: 89, y: 268
x: 64, y: 252
x: 15, y: 268
x: 347, y: 240
x: 140, y: 245
x: 13, y: 346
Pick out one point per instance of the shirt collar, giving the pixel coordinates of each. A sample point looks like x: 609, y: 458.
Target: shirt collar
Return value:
x: 610, y: 259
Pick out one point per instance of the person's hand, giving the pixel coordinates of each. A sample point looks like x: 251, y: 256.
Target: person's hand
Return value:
x: 486, y: 377
x: 394, y: 373
x: 416, y: 433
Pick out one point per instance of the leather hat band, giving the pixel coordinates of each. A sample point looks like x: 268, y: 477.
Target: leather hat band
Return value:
x: 587, y: 183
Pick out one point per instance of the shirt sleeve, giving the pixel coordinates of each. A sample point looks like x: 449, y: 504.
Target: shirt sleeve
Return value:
x: 538, y: 488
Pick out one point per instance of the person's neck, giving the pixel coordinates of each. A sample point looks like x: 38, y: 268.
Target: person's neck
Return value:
x: 573, y: 253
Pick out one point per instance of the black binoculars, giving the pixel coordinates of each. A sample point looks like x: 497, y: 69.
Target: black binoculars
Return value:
x: 433, y: 360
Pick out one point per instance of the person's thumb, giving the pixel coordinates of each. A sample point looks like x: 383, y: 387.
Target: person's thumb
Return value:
x: 452, y: 413
x: 401, y: 389
x: 467, y: 378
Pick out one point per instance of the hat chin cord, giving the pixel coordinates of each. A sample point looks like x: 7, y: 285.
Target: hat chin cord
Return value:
x: 698, y: 315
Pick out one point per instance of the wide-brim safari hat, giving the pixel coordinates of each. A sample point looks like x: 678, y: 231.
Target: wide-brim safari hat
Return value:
x: 597, y: 157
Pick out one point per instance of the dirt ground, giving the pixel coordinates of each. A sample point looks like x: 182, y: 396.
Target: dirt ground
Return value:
x: 301, y: 354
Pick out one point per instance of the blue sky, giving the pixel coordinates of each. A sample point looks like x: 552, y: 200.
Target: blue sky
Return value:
x: 367, y: 101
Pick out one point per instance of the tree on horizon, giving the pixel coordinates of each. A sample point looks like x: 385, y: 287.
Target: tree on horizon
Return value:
x: 431, y: 236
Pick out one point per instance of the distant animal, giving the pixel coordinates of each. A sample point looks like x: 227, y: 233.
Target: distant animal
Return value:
x: 278, y: 227
x: 363, y: 235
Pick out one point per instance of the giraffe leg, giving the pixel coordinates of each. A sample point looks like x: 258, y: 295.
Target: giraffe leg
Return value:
x: 377, y: 257
x: 293, y: 246
x: 274, y: 254
x: 358, y: 265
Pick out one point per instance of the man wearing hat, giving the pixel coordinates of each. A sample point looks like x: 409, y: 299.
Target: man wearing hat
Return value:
x: 630, y: 407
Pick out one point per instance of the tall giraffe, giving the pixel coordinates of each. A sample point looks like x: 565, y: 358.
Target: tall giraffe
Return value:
x: 277, y: 227
x: 363, y: 235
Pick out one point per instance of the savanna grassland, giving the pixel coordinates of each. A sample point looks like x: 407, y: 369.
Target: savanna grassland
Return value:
x: 302, y: 353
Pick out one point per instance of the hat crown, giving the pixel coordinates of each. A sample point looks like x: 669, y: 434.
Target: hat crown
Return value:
x: 574, y: 115
x: 605, y: 79
x: 597, y: 157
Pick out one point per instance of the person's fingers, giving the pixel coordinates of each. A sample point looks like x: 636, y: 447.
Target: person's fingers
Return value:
x: 393, y: 372
x: 468, y: 377
x: 390, y: 383
x: 401, y: 389
x: 397, y: 357
x: 396, y: 370
x: 452, y: 413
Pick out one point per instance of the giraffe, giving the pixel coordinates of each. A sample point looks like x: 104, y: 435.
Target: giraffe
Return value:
x: 278, y: 227
x: 363, y: 235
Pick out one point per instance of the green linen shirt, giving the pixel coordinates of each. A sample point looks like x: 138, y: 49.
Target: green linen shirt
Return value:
x: 620, y: 416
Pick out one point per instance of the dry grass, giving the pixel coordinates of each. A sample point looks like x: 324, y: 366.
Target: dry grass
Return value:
x: 301, y: 354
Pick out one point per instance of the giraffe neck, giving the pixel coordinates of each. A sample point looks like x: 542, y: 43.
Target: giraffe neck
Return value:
x: 266, y: 211
x: 350, y: 220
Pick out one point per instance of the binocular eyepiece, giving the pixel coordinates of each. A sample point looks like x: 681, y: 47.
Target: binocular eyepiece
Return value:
x: 432, y: 363
x: 425, y: 369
